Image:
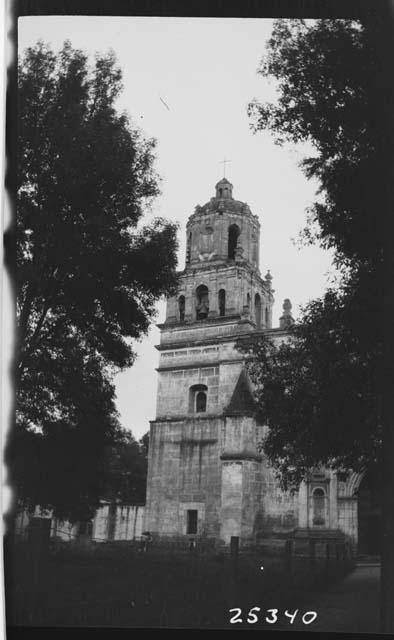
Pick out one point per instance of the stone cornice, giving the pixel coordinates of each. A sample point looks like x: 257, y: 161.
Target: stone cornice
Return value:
x: 241, y: 455
x: 224, y: 264
x: 249, y: 413
x: 195, y: 324
x: 218, y: 339
x: 202, y: 364
x: 188, y: 417
x: 223, y: 206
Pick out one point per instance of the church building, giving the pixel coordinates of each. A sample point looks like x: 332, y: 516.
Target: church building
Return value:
x: 207, y: 478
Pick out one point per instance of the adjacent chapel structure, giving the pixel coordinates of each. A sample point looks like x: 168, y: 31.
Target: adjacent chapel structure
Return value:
x: 206, y: 477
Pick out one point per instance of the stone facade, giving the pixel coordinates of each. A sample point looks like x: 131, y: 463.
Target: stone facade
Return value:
x: 206, y: 477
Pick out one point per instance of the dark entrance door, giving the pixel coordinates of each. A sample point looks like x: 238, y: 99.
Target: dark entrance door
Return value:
x: 369, y: 514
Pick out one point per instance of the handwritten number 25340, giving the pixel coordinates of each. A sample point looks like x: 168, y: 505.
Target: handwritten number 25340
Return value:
x: 307, y: 618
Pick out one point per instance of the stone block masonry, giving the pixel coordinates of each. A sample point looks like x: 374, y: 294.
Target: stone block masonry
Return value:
x: 207, y: 477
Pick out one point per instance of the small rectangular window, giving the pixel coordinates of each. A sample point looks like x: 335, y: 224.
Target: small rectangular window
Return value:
x: 191, y: 521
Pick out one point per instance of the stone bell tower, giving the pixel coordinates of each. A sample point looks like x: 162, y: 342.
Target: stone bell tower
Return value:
x: 205, y: 472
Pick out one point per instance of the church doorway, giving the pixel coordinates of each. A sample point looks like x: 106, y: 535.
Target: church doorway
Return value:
x: 369, y: 514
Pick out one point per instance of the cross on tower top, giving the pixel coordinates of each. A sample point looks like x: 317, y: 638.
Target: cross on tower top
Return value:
x: 223, y: 162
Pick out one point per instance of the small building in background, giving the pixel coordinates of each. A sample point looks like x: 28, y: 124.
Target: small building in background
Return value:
x: 111, y: 522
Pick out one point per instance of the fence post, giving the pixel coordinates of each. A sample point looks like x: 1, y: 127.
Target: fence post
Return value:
x: 234, y: 548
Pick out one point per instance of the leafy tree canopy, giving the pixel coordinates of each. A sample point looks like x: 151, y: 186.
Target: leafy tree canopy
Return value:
x: 318, y: 392
x: 333, y: 92
x: 87, y: 273
x: 322, y: 393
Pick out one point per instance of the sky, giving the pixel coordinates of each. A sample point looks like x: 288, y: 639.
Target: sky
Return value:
x: 205, y: 71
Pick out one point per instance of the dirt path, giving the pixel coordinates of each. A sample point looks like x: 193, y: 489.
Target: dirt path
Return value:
x: 351, y: 606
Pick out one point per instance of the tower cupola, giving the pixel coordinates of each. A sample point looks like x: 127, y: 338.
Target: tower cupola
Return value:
x: 223, y: 229
x: 221, y: 279
x: 224, y: 189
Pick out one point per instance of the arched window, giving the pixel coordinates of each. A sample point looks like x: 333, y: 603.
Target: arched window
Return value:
x: 248, y: 300
x: 266, y: 317
x: 222, y: 302
x: 319, y: 507
x: 233, y: 233
x: 198, y: 398
x: 201, y: 402
x: 220, y: 193
x: 202, y: 302
x: 181, y: 306
x: 257, y: 310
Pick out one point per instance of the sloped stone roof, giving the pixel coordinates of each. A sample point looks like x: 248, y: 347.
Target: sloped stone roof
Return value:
x: 242, y: 399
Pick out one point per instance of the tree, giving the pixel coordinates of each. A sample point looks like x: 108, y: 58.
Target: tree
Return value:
x: 318, y: 392
x: 322, y: 393
x: 144, y: 447
x: 87, y: 275
x: 128, y: 466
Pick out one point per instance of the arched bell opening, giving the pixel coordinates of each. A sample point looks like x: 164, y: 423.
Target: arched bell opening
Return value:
x: 202, y: 302
x: 257, y: 310
x: 222, y: 302
x: 198, y: 395
x: 233, y: 235
x: 181, y: 308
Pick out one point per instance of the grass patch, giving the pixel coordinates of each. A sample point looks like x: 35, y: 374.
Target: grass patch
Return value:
x: 116, y: 585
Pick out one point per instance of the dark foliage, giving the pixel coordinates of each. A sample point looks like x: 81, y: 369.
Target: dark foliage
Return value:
x: 87, y: 274
x: 127, y: 470
x: 320, y: 393
x: 327, y: 395
x: 330, y: 93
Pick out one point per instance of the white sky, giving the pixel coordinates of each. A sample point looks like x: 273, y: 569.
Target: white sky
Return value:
x: 205, y: 70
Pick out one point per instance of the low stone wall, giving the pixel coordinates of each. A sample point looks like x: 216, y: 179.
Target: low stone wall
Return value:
x: 111, y: 522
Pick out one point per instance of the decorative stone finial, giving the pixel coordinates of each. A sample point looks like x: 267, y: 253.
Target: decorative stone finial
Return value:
x: 268, y: 278
x: 286, y: 320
